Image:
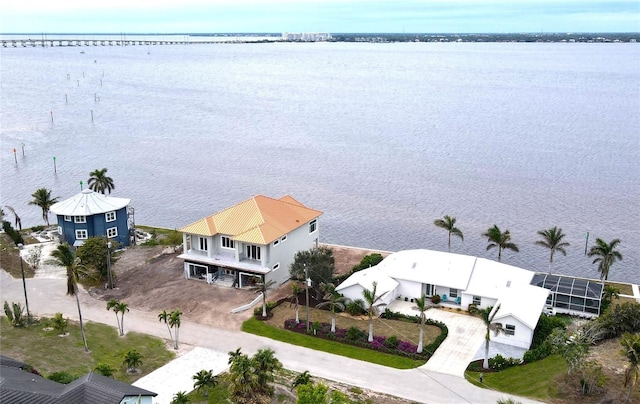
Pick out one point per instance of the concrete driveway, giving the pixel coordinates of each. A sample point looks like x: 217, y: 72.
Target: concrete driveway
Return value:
x: 466, y: 336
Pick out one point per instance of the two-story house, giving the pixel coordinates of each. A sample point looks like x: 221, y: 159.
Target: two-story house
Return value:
x: 91, y: 214
x: 255, y: 240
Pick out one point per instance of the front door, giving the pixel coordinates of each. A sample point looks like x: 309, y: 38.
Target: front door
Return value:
x: 427, y: 289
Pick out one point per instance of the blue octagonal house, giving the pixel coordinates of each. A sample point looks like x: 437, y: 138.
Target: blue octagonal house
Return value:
x: 91, y: 214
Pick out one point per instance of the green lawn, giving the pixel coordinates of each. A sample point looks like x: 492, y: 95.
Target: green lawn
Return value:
x: 257, y: 327
x: 48, y: 352
x: 535, y: 380
x: 624, y: 288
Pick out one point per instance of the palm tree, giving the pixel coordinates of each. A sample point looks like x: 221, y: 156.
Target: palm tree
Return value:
x: 262, y: 287
x: 99, y: 182
x: 631, y: 350
x: 501, y: 240
x: 295, y: 300
x: 334, y: 301
x: 242, y: 377
x: 42, y: 198
x: 121, y: 308
x: 164, y: 317
x: 607, y: 255
x: 423, y: 305
x: 64, y: 256
x: 174, y: 321
x: 204, y: 380
x: 132, y: 359
x: 449, y: 224
x: 552, y: 239
x: 487, y: 315
x: 181, y: 397
x: 373, y: 301
x: 112, y: 305
x: 17, y: 219
x: 265, y: 365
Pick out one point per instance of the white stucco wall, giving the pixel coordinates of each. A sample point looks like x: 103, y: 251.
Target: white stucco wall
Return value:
x: 522, y: 337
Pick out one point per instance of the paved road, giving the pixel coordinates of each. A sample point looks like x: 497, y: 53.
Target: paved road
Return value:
x: 47, y: 296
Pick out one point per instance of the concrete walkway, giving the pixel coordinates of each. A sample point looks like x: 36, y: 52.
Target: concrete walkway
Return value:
x: 47, y: 296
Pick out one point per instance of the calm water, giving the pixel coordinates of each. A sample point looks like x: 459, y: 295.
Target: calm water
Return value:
x: 384, y: 138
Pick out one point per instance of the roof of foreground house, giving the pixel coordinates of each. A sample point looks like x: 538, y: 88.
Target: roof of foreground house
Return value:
x: 524, y: 302
x: 258, y: 220
x: 19, y: 386
x: 88, y: 203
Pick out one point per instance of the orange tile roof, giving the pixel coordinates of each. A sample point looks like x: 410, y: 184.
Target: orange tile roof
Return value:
x: 258, y: 220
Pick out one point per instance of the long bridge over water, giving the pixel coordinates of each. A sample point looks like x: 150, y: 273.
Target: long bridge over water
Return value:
x: 44, y: 43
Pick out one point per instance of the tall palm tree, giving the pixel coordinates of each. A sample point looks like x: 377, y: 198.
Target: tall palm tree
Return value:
x: 99, y: 182
x: 500, y: 240
x: 334, y: 301
x: 64, y: 256
x: 174, y: 322
x: 112, y: 305
x: 294, y: 299
x: 121, y: 308
x: 552, y: 239
x: 423, y: 305
x: 42, y: 198
x: 204, y: 380
x: 17, y: 219
x: 373, y: 301
x: 631, y: 350
x: 262, y: 287
x: 164, y: 317
x: 487, y: 315
x: 449, y: 224
x: 606, y: 255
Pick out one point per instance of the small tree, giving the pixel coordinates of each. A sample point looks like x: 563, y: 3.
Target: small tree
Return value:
x: 181, y: 397
x: 487, y: 316
x: 263, y: 288
x: 132, y: 360
x: 96, y: 256
x: 164, y: 318
x: 448, y: 223
x: 59, y: 323
x: 373, y: 301
x: 423, y: 305
x: 43, y: 199
x: 334, y: 301
x: 631, y: 350
x: 497, y: 239
x: 15, y: 315
x: 294, y: 299
x: 119, y: 308
x: 318, y: 263
x: 174, y: 322
x: 606, y: 255
x: 301, y: 378
x: 105, y: 370
x: 34, y: 257
x: 553, y: 240
x: 204, y: 380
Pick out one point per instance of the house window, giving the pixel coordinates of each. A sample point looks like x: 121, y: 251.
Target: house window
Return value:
x: 276, y: 266
x: 112, y: 232
x: 453, y: 293
x: 284, y: 238
x: 80, y: 219
x: 227, y: 242
x: 67, y: 218
x: 81, y: 235
x: 510, y: 329
x: 313, y: 225
x: 110, y: 216
x: 275, y: 243
x: 204, y: 244
x: 477, y: 300
x: 253, y: 252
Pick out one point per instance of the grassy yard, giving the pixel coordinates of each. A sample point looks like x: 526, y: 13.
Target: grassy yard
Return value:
x: 624, y: 288
x: 535, y: 380
x: 404, y: 330
x: 49, y: 353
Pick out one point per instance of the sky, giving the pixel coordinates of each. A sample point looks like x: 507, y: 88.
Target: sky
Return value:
x: 334, y: 16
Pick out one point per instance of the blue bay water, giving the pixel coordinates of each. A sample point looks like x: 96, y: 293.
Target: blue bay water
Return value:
x: 383, y: 138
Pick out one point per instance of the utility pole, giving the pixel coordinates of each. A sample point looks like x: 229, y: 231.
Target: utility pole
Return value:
x: 109, y: 277
x: 308, y: 280
x: 24, y: 285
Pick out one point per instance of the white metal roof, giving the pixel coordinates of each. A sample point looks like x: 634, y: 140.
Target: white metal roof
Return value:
x: 427, y: 266
x: 490, y: 278
x: 524, y: 302
x: 365, y: 279
x: 88, y: 203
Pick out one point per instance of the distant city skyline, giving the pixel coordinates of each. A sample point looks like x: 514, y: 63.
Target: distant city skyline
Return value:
x: 335, y: 16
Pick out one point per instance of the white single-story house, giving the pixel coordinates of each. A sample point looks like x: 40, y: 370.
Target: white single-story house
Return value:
x: 460, y: 280
x: 257, y: 239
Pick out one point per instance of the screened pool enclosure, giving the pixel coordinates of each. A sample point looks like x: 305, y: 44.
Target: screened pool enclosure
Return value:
x: 575, y: 296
